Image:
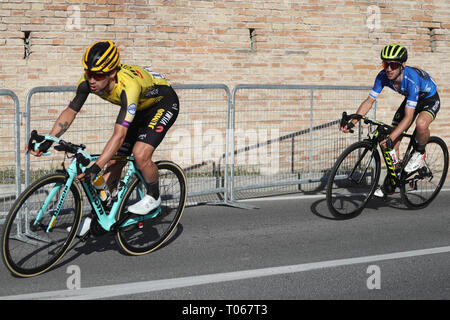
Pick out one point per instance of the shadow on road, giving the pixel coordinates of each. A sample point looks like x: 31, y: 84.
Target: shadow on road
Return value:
x: 320, y: 209
x: 104, y: 243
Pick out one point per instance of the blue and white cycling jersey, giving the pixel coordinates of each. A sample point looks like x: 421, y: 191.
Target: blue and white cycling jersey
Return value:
x: 416, y: 84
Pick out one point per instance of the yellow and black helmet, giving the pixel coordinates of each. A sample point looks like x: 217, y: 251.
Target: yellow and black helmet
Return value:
x: 102, y: 56
x: 394, y: 52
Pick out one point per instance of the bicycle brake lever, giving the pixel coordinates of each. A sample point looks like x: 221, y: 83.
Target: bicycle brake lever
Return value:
x: 345, y: 122
x: 344, y: 119
x: 37, y: 145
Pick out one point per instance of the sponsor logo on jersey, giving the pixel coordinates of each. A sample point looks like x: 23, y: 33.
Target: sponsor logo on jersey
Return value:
x: 155, y: 119
x: 167, y: 116
x: 132, y: 109
x: 435, y: 107
x: 151, y: 92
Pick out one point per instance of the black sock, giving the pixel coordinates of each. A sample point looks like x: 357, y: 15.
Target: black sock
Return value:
x: 420, y: 148
x: 153, y: 189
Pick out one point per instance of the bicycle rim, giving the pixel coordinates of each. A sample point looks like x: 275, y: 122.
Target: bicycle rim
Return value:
x: 28, y: 248
x: 352, y: 180
x: 421, y: 187
x: 145, y: 237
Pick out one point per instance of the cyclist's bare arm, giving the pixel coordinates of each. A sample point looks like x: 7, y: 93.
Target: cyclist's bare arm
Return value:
x: 63, y: 122
x: 363, y: 109
x: 401, y: 127
x: 365, y: 106
x: 61, y: 125
x: 112, y: 146
x: 67, y: 116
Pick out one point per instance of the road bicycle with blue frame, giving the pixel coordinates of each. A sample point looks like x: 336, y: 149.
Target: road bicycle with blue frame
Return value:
x: 45, y: 218
x: 355, y: 175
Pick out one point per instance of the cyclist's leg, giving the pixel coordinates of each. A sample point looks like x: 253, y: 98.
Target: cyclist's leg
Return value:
x: 151, y: 135
x: 423, y: 129
x: 143, y: 154
x: 114, y: 168
x: 112, y: 174
x: 165, y: 114
x: 398, y: 117
x: 386, y: 188
x: 427, y: 110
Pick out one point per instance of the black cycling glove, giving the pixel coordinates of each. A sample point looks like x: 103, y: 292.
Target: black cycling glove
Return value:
x: 389, y: 144
x: 44, y: 146
x: 92, y: 171
x: 350, y: 125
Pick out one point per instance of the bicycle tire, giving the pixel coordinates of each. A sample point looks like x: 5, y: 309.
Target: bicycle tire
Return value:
x: 27, y: 248
x: 419, y: 189
x: 346, y: 198
x: 152, y: 233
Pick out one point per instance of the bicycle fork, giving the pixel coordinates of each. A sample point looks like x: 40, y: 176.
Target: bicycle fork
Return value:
x: 59, y: 205
x: 28, y: 234
x: 71, y: 173
x: 367, y: 165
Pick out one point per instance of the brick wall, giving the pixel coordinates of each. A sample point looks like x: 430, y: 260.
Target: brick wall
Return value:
x: 228, y: 41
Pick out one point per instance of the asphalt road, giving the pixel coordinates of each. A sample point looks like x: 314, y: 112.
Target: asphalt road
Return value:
x: 288, y: 248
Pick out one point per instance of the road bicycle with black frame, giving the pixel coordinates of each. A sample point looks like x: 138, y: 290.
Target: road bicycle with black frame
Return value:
x: 45, y: 218
x: 355, y: 175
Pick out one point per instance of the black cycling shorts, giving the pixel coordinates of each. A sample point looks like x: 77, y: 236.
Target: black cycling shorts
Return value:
x: 150, y: 126
x: 430, y: 105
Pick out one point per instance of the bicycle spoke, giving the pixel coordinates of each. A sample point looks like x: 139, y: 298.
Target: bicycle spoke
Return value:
x: 29, y: 248
x: 422, y: 186
x: 144, y: 234
x: 352, y: 180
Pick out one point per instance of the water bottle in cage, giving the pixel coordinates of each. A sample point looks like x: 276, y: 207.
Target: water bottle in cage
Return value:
x: 393, y: 156
x: 100, y: 186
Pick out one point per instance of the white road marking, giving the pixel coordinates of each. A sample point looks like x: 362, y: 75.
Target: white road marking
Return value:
x: 166, y: 284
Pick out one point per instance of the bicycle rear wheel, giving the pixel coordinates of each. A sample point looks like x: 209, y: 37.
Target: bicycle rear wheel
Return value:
x: 29, y: 247
x: 151, y: 232
x: 353, y: 180
x: 421, y: 187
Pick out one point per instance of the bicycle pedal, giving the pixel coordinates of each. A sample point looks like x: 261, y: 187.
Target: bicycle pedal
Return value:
x: 154, y: 212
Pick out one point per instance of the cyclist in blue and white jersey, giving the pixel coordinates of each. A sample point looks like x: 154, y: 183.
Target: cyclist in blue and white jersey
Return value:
x: 421, y: 101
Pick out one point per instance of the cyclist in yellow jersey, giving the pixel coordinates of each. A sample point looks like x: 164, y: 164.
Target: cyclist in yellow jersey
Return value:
x: 148, y: 108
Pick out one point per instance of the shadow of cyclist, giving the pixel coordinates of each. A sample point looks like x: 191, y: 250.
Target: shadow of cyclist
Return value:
x: 320, y: 209
x: 106, y: 242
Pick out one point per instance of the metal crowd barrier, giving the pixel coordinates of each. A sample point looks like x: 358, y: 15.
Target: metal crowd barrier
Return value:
x: 285, y: 136
x: 257, y: 140
x: 203, y: 117
x: 10, y: 184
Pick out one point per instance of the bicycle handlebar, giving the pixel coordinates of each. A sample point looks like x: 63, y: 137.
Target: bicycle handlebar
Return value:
x: 345, y: 120
x: 382, y: 127
x: 36, y: 140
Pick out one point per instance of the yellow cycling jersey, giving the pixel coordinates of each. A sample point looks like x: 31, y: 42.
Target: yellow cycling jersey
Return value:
x: 135, y: 89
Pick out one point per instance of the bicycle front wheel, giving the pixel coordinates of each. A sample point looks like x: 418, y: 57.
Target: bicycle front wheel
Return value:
x: 353, y: 180
x: 34, y: 240
x: 421, y: 187
x: 149, y: 232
